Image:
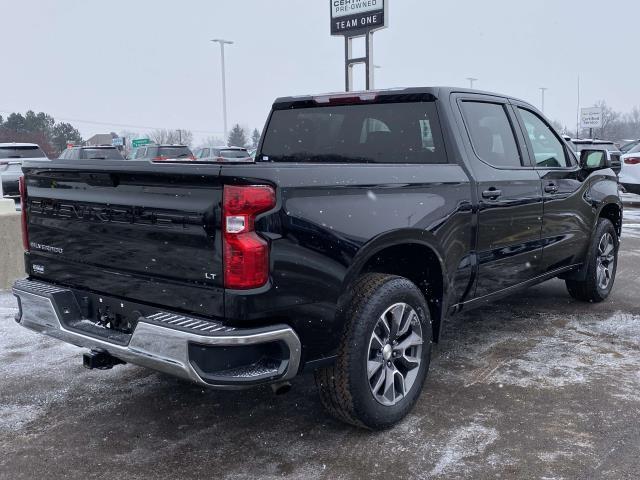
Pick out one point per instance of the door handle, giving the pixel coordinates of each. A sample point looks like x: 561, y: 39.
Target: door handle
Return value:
x: 551, y: 188
x: 492, y: 193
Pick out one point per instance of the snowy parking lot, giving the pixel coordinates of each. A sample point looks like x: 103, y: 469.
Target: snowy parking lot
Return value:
x: 536, y: 386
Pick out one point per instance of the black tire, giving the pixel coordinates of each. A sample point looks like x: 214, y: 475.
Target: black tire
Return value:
x: 591, y: 289
x: 346, y: 388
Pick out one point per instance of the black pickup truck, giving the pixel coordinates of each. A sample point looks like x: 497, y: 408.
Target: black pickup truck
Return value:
x: 366, y: 222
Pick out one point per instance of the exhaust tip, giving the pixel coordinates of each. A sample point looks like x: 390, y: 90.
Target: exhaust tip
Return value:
x: 281, y: 388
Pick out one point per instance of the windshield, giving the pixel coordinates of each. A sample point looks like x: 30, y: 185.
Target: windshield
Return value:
x: 21, y: 152
x: 100, y: 154
x: 377, y: 133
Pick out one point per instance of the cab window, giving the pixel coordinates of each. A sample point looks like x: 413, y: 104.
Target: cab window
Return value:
x: 548, y: 150
x: 491, y: 134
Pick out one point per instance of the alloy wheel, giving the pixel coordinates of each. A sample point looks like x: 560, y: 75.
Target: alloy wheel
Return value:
x: 606, y: 261
x: 394, y: 354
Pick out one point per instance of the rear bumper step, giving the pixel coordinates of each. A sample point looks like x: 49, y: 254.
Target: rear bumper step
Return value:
x: 203, y: 351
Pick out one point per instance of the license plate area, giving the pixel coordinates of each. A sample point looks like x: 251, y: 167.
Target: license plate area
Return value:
x: 99, y: 316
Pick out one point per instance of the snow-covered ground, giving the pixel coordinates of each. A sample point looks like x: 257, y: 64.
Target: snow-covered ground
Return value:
x: 630, y: 198
x: 631, y: 225
x: 534, y: 386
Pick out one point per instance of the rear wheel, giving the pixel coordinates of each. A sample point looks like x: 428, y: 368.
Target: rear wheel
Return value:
x: 384, y: 355
x: 602, y: 266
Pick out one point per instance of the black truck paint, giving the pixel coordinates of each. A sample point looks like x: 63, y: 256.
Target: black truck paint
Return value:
x: 465, y: 232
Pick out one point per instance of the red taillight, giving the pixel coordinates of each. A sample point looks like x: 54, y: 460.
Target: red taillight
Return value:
x: 632, y: 160
x: 161, y: 158
x: 23, y: 202
x: 246, y: 254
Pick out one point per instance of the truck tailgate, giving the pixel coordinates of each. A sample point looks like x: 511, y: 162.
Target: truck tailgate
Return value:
x: 137, y: 231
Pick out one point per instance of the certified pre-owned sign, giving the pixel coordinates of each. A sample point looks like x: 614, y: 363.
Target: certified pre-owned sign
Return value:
x: 356, y: 17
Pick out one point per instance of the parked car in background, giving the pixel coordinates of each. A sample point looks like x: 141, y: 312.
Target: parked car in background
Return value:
x: 103, y: 152
x: 630, y: 169
x: 613, y: 151
x: 163, y: 153
x: 223, y: 154
x: 11, y: 156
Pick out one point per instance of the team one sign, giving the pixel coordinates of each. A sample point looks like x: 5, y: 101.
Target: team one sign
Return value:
x: 356, y: 16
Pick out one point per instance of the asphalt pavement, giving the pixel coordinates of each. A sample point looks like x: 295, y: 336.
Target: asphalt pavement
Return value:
x: 535, y: 386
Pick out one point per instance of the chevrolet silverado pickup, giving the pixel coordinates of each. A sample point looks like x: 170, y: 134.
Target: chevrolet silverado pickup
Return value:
x: 367, y: 220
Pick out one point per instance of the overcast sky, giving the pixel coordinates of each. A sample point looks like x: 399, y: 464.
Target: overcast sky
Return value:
x: 149, y: 63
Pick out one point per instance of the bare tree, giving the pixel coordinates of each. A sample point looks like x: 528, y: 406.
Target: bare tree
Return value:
x: 610, y: 121
x: 129, y: 136
x: 166, y: 136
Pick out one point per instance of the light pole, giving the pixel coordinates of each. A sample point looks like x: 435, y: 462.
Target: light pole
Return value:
x: 471, y: 80
x: 224, y: 83
x: 542, y: 90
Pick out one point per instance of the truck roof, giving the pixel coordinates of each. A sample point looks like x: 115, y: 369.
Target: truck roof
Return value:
x: 14, y: 144
x: 369, y: 95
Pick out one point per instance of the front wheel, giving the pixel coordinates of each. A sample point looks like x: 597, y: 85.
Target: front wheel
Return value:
x: 601, y: 268
x: 384, y: 355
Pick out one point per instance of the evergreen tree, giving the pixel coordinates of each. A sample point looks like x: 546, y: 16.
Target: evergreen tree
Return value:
x: 237, y: 137
x: 62, y: 133
x: 255, y: 138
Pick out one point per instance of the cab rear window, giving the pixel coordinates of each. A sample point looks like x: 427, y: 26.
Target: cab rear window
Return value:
x: 21, y: 152
x: 370, y: 133
x: 234, y: 153
x: 100, y: 154
x: 174, y: 152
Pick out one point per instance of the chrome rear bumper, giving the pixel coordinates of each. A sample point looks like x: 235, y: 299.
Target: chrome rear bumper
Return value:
x: 162, y: 341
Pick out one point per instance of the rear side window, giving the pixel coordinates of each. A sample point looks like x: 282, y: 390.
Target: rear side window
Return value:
x: 21, y: 152
x: 547, y: 148
x: 491, y: 134
x: 627, y: 148
x: 373, y: 133
x: 69, y: 154
x: 140, y: 153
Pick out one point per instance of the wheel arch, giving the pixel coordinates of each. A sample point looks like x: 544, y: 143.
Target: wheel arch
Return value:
x: 613, y: 212
x: 415, y: 255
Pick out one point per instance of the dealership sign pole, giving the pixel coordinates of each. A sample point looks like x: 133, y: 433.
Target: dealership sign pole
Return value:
x: 353, y: 19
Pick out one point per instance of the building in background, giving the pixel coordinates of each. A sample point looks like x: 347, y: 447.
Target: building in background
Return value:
x: 100, y: 139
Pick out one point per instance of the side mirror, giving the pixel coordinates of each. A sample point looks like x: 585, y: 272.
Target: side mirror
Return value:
x: 594, y: 160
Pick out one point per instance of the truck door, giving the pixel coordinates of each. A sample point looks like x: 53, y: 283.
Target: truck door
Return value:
x: 509, y: 196
x: 568, y: 218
